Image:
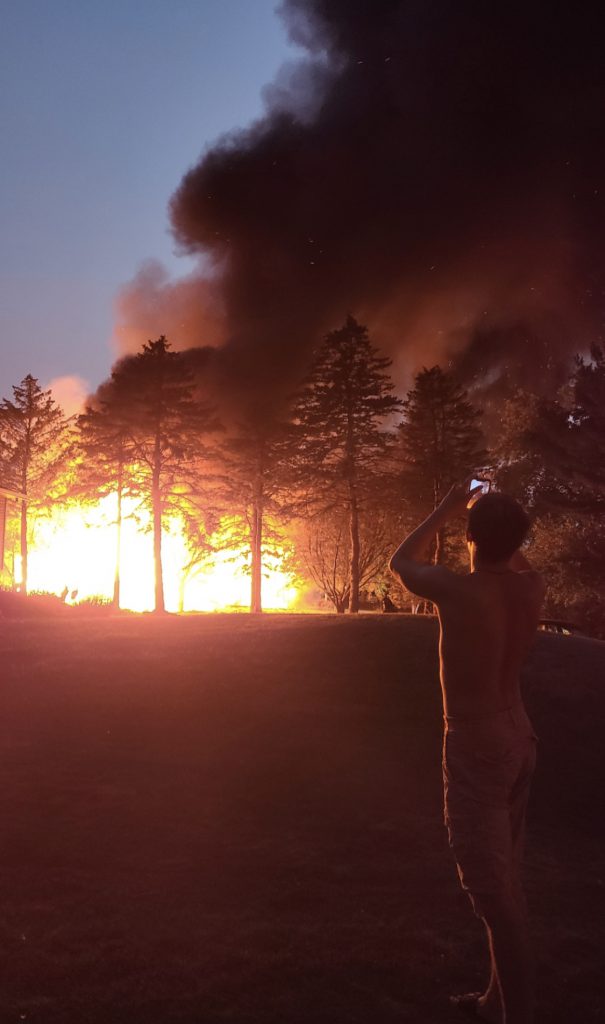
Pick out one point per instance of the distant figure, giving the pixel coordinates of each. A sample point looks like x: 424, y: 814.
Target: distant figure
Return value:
x: 387, y: 605
x: 488, y: 619
x: 64, y: 593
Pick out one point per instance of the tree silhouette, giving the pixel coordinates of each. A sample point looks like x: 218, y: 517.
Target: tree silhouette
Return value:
x: 441, y: 441
x: 588, y: 420
x: 342, y: 442
x: 551, y: 450
x: 166, y: 427
x: 105, y: 450
x: 551, y: 453
x: 257, y: 476
x: 32, y: 427
x: 324, y: 551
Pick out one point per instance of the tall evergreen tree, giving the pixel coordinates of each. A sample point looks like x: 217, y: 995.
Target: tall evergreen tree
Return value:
x: 342, y: 443
x: 551, y: 453
x: 441, y: 441
x: 584, y: 439
x: 105, y: 448
x: 32, y: 427
x: 552, y: 450
x: 256, y: 479
x: 166, y: 426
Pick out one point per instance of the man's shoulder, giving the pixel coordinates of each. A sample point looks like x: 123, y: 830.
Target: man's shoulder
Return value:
x: 533, y: 579
x: 434, y: 582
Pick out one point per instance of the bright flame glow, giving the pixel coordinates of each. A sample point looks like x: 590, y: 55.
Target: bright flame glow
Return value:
x: 74, y: 550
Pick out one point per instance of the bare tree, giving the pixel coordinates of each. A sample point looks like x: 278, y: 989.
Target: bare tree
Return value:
x: 325, y: 552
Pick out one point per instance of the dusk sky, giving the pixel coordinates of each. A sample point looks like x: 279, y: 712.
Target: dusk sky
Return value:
x: 103, y: 107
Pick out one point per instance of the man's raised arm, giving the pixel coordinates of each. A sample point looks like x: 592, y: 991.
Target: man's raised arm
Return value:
x: 408, y: 561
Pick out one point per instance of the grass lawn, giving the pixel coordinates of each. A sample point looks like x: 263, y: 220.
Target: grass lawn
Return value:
x: 238, y: 819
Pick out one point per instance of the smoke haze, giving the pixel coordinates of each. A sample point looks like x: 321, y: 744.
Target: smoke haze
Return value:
x: 70, y: 392
x: 434, y: 168
x: 188, y: 311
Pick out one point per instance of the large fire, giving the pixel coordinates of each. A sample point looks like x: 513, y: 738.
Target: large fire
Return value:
x: 73, y: 552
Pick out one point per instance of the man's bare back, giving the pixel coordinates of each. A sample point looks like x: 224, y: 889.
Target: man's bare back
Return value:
x: 488, y: 623
x: 488, y: 617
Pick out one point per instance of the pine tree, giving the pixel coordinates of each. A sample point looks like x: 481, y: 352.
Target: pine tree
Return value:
x: 166, y: 426
x: 586, y: 437
x: 257, y: 475
x: 552, y: 450
x: 32, y: 427
x: 105, y: 451
x: 342, y: 443
x: 441, y: 442
x: 551, y: 454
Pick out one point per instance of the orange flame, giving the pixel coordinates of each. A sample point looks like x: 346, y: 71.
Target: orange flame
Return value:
x: 74, y: 550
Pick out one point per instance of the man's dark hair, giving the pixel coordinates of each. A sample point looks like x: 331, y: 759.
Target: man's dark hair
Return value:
x: 498, y: 526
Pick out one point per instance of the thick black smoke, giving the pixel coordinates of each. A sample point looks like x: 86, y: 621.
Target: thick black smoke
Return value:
x: 434, y: 167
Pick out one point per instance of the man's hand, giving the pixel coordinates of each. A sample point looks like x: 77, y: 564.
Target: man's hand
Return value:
x: 458, y: 498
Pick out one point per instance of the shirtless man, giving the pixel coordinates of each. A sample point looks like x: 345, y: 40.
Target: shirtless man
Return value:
x: 488, y: 620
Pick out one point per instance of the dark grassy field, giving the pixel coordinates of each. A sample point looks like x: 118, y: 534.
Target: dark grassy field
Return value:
x: 227, y: 819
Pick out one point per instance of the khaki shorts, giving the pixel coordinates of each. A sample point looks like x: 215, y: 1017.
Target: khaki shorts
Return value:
x: 488, y: 763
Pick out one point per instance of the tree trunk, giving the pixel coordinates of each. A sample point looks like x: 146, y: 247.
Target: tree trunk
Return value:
x: 24, y: 547
x: 354, y: 570
x: 116, y: 577
x: 2, y: 530
x: 350, y: 474
x: 156, y: 502
x: 340, y: 607
x: 439, y: 536
x: 439, y: 546
x: 256, y: 568
x: 24, y: 490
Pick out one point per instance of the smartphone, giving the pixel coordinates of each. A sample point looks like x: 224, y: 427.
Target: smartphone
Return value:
x: 485, y: 485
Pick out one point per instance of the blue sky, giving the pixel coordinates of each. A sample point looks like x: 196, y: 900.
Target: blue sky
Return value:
x: 104, y: 104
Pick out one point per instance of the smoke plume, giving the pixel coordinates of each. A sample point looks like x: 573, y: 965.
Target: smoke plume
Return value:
x: 434, y: 168
x: 188, y: 311
x: 69, y: 392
